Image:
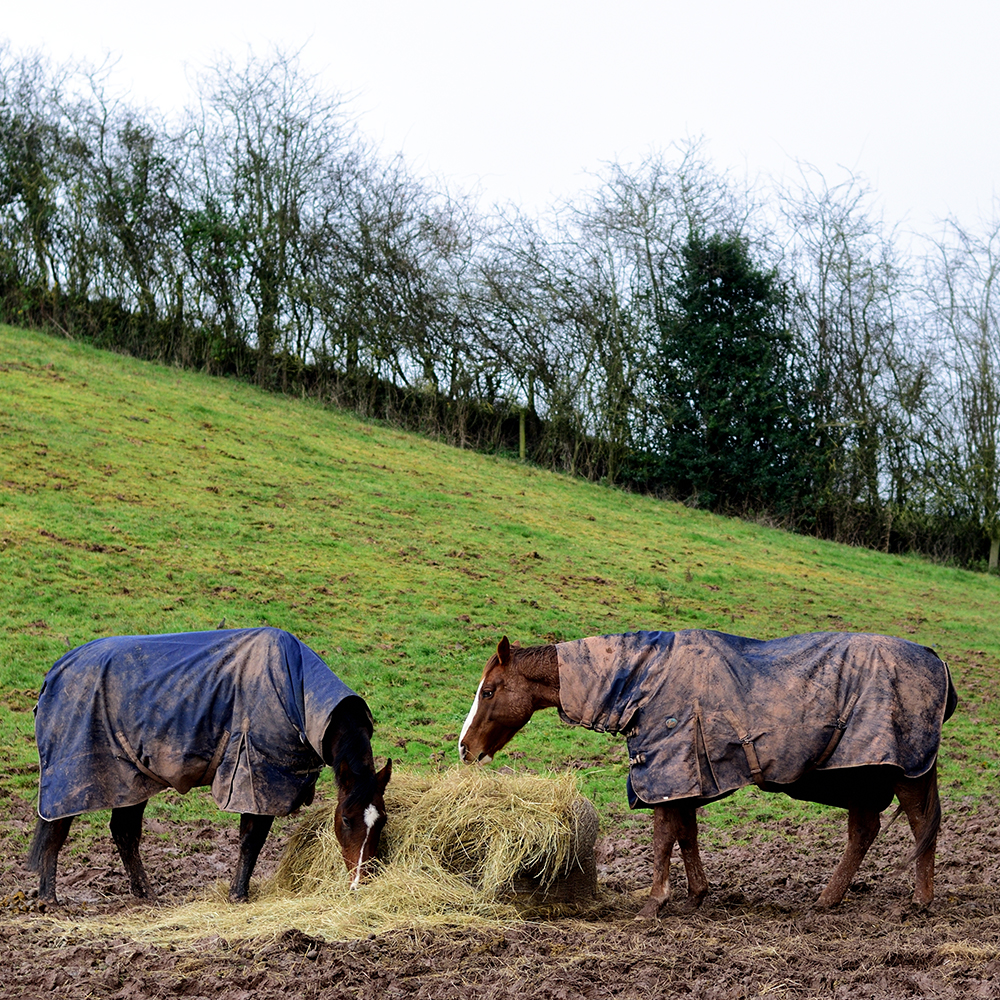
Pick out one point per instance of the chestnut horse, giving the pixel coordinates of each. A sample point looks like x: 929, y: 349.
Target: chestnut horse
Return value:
x: 613, y: 683
x: 253, y: 713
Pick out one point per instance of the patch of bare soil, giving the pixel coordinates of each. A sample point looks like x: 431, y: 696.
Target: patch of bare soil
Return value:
x: 756, y: 935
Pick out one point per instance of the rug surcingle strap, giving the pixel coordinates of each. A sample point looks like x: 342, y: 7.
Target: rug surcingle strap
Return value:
x: 838, y: 731
x: 746, y: 741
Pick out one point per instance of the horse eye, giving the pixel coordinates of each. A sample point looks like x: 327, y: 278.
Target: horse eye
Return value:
x: 487, y: 694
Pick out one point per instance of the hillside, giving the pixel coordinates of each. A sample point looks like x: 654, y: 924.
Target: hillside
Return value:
x: 139, y: 498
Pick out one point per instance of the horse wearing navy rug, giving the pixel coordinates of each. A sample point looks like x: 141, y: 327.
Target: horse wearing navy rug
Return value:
x: 253, y: 713
x: 846, y: 719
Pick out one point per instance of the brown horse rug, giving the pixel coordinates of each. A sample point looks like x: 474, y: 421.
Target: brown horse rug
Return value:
x: 242, y: 710
x: 705, y: 713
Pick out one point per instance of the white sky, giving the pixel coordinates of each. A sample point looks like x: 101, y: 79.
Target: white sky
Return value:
x: 522, y: 98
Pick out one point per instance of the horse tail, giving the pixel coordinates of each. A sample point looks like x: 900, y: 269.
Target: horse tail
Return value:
x: 951, y: 702
x: 931, y: 810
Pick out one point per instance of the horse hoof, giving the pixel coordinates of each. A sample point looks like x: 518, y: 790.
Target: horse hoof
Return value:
x: 651, y: 911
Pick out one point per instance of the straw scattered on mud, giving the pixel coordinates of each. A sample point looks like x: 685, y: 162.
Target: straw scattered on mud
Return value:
x: 451, y: 850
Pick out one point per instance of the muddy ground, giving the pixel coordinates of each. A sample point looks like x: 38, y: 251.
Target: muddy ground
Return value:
x: 756, y: 936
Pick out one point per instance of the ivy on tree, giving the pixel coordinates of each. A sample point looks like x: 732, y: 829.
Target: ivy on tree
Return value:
x: 733, y: 422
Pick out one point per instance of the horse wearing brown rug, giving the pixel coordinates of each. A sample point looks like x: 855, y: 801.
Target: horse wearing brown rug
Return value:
x: 253, y: 713
x: 845, y: 719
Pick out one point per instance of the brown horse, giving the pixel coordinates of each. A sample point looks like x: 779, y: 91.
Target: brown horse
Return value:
x: 844, y: 719
x: 253, y: 713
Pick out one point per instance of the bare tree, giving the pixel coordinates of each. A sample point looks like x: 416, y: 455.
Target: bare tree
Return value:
x: 869, y: 379
x: 610, y: 262
x: 31, y: 171
x: 124, y: 197
x: 964, y: 297
x: 267, y: 142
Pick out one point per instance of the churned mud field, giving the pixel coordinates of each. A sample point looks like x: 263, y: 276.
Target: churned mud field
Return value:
x: 756, y: 936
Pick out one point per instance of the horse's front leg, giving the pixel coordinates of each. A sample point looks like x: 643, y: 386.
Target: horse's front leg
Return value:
x: 50, y: 835
x: 674, y: 823
x: 253, y: 832
x: 126, y: 831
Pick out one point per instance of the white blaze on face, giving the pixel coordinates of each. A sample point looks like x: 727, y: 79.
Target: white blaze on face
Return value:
x: 370, y: 818
x: 468, y: 721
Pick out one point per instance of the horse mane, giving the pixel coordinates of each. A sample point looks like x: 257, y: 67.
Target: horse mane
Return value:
x: 347, y: 749
x: 534, y: 662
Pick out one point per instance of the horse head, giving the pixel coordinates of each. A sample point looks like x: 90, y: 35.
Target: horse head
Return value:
x: 515, y: 683
x: 360, y: 814
x: 359, y: 817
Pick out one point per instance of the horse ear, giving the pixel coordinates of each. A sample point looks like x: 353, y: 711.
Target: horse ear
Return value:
x: 384, y: 775
x: 503, y: 651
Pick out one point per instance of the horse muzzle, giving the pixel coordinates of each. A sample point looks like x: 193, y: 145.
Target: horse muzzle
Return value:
x: 467, y: 758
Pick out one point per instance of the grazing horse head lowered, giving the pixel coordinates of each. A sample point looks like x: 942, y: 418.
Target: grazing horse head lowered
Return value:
x: 253, y: 713
x: 846, y: 719
x: 360, y: 813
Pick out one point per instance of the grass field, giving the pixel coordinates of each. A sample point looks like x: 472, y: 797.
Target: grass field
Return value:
x: 136, y: 498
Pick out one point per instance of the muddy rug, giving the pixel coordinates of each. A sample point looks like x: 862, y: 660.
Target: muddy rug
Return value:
x: 242, y: 710
x: 705, y: 713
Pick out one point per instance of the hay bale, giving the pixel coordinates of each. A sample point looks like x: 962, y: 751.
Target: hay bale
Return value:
x: 576, y: 882
x: 515, y: 838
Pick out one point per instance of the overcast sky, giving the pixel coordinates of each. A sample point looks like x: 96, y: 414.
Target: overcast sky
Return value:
x: 523, y: 98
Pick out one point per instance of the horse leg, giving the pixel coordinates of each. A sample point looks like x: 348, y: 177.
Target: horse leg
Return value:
x: 126, y: 831
x: 50, y: 835
x: 663, y: 847
x: 674, y: 824
x: 687, y: 840
x: 253, y: 832
x: 863, y: 825
x: 918, y: 798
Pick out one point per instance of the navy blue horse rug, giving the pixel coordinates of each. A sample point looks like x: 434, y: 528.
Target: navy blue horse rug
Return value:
x: 705, y: 713
x: 242, y: 710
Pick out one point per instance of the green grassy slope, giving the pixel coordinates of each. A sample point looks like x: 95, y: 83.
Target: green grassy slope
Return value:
x: 136, y: 498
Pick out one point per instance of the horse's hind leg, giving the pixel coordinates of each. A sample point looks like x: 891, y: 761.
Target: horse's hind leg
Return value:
x: 918, y: 797
x: 674, y: 824
x: 862, y: 828
x: 126, y: 831
x: 687, y: 840
x: 50, y: 835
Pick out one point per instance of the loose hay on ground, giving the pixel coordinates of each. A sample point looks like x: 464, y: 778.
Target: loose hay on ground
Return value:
x: 452, y: 848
